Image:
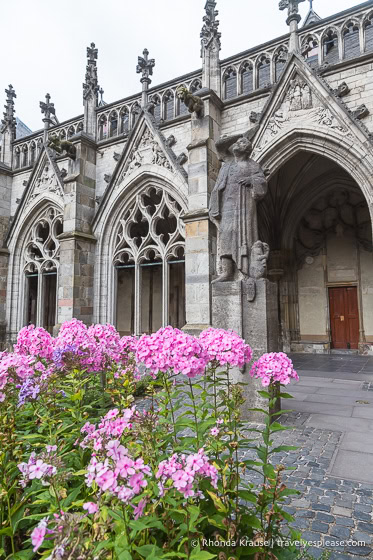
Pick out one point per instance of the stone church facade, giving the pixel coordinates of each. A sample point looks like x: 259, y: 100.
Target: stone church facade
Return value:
x: 105, y: 217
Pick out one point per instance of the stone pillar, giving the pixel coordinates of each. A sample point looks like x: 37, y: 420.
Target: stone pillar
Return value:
x: 210, y: 48
x: 200, y: 243
x: 5, y: 196
x: 255, y: 321
x: 77, y: 256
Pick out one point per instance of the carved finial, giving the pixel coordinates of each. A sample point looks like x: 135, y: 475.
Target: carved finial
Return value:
x: 210, y: 29
x: 102, y: 102
x: 145, y: 67
x: 9, y: 120
x: 90, y: 86
x: 48, y: 109
x: 292, y: 20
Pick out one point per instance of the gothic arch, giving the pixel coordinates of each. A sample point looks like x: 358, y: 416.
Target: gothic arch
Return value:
x: 120, y: 216
x: 21, y: 259
x: 348, y: 152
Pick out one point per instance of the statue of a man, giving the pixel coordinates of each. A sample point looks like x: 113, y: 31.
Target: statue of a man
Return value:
x: 240, y: 184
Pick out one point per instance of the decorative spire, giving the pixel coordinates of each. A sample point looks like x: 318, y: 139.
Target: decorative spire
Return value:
x: 293, y: 19
x: 210, y: 30
x: 312, y: 16
x: 145, y: 67
x: 48, y: 110
x: 9, y: 120
x: 90, y: 86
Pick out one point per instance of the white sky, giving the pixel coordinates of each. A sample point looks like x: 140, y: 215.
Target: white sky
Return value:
x: 44, y: 43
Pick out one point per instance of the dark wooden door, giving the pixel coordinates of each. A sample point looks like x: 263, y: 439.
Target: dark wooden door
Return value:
x: 344, y: 317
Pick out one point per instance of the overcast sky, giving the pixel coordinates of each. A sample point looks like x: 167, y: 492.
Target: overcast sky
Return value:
x: 44, y: 43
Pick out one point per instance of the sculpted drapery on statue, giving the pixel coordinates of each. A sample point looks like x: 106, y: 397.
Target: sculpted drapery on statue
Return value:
x: 240, y: 184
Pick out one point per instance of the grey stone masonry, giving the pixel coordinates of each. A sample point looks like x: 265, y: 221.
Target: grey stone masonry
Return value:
x: 75, y: 296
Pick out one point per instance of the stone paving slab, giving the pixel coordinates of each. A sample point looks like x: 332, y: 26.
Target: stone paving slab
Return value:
x: 331, y: 399
x: 361, y: 412
x: 321, y: 408
x: 353, y: 465
x: 341, y: 391
x: 355, y: 441
x: 340, y: 423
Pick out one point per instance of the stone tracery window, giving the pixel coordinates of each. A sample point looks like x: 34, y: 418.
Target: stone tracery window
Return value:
x: 247, y: 77
x: 124, y: 121
x: 351, y: 40
x: 150, y: 264
x: 264, y: 71
x: 280, y: 62
x: 32, y: 153
x: 368, y: 33
x: 168, y: 105
x: 330, y: 46
x: 310, y: 50
x: 42, y: 253
x: 230, y: 83
x: 113, y: 120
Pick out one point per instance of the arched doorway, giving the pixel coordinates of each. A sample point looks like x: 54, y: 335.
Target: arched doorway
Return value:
x: 317, y: 223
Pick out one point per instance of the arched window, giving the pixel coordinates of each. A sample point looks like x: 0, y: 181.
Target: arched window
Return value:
x: 230, y: 83
x: 279, y: 62
x: 25, y: 156
x: 310, y: 51
x: 150, y: 264
x: 368, y: 33
x: 156, y: 100
x: 62, y: 135
x: 135, y: 111
x: 124, y: 121
x: 351, y: 40
x: 102, y: 127
x: 330, y: 46
x: 42, y: 261
x: 264, y: 71
x: 71, y: 132
x: 168, y: 105
x: 195, y: 85
x: 79, y: 127
x: 247, y: 77
x: 32, y: 153
x: 17, y: 158
x: 40, y: 146
x: 113, y: 120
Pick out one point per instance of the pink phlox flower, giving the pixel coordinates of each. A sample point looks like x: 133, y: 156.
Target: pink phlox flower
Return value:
x: 38, y: 534
x: 138, y: 510
x: 214, y: 431
x: 274, y: 367
x: 91, y: 507
x: 137, y: 482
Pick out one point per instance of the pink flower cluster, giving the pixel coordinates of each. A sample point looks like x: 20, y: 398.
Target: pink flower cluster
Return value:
x: 171, y: 350
x: 111, y: 426
x: 183, y: 471
x: 34, y: 341
x: 225, y: 347
x: 37, y: 468
x: 274, y: 367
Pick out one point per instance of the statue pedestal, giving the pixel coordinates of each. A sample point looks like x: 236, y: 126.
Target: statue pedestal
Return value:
x: 255, y: 321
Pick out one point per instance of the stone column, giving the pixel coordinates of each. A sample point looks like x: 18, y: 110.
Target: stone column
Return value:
x: 5, y: 195
x: 255, y: 321
x: 77, y: 257
x: 200, y: 243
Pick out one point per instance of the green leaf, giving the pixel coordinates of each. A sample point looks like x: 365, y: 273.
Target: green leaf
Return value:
x: 284, y: 448
x: 276, y: 427
x: 286, y: 396
x: 198, y: 554
x: 217, y: 502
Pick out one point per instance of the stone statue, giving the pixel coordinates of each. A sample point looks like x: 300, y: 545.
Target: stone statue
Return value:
x: 240, y: 184
x: 258, y: 260
x: 193, y: 102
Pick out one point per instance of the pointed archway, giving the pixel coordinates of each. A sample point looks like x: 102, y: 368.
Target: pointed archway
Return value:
x: 317, y: 222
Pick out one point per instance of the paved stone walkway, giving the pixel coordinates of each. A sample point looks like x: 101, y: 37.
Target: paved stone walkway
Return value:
x: 333, y: 422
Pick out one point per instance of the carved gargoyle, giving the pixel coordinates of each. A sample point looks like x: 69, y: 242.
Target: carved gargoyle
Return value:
x: 342, y: 90
x: 192, y: 102
x: 361, y: 112
x: 61, y: 146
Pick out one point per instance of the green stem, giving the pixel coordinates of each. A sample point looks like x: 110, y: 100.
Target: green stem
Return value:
x: 11, y: 524
x: 195, y: 411
x: 165, y: 381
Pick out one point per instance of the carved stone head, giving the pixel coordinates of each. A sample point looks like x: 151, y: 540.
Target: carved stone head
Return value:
x: 242, y: 146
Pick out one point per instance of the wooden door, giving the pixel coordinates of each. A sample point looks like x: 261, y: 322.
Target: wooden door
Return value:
x: 344, y: 317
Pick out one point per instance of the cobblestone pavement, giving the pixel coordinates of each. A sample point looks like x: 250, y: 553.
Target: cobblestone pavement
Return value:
x: 328, y: 509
